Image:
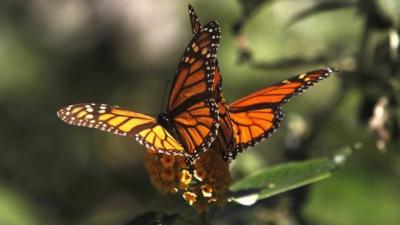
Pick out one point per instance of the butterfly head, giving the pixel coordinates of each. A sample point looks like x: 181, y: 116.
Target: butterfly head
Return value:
x: 164, y: 119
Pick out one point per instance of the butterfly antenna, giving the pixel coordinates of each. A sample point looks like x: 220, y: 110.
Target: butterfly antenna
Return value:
x: 164, y: 94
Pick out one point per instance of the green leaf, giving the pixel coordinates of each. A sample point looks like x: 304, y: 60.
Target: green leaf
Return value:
x: 274, y: 180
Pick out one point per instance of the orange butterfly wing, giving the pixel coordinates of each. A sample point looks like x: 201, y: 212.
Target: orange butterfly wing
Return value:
x: 194, y: 21
x: 256, y: 116
x: 238, y: 128
x: 280, y: 93
x: 191, y: 107
x: 254, y: 125
x: 123, y: 122
x: 224, y: 139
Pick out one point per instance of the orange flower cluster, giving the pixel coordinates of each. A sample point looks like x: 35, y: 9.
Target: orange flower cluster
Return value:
x: 204, y: 184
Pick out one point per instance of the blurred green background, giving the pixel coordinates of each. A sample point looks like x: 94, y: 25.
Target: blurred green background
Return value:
x: 54, y: 53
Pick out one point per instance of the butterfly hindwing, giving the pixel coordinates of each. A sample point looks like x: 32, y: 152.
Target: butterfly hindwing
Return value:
x: 123, y: 122
x: 252, y: 126
x: 240, y: 130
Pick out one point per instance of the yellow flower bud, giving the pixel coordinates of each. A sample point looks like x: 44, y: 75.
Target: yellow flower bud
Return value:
x: 185, y: 179
x: 206, y: 190
x: 199, y: 173
x: 190, y: 197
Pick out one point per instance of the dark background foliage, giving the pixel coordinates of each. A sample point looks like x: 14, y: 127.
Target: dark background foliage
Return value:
x: 54, y: 53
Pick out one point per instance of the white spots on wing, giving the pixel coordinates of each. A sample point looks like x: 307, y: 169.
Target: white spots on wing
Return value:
x: 89, y: 108
x: 301, y: 76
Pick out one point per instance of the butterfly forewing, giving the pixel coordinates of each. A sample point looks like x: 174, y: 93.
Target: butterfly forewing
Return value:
x: 190, y: 105
x: 194, y: 76
x: 123, y: 122
x: 194, y: 20
x: 280, y: 93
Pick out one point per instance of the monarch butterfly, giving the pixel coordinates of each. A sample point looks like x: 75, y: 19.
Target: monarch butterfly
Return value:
x: 189, y: 125
x: 253, y: 118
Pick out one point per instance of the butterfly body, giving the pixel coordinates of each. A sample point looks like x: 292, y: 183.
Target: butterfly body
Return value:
x: 164, y: 120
